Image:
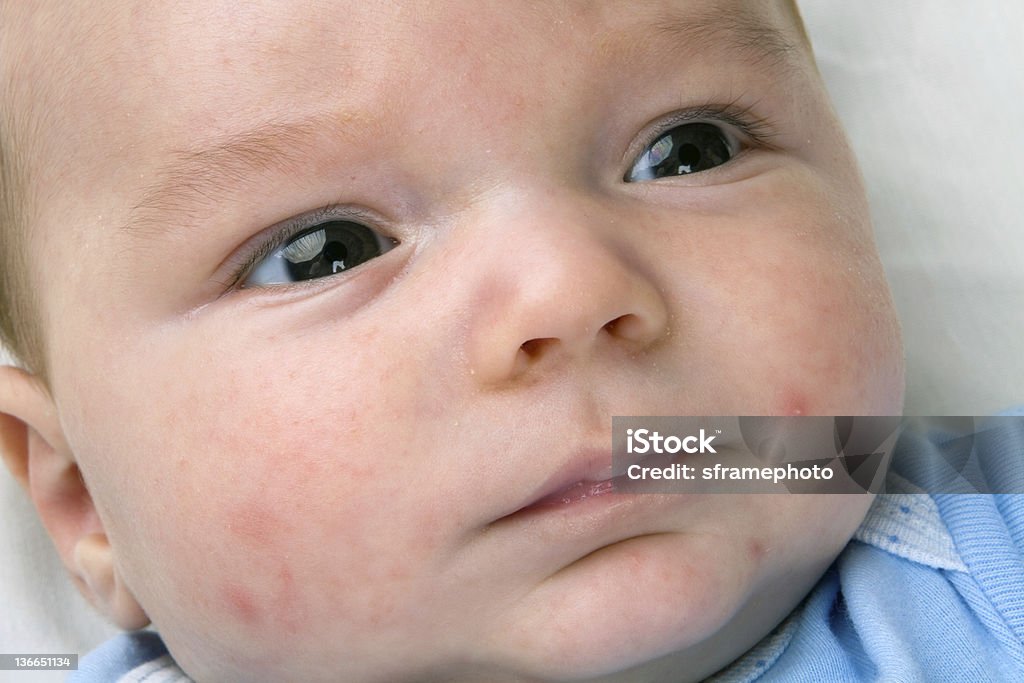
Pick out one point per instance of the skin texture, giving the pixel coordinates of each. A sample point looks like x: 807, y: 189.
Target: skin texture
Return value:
x: 316, y: 482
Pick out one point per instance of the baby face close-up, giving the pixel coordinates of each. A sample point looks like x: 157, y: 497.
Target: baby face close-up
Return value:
x: 338, y: 300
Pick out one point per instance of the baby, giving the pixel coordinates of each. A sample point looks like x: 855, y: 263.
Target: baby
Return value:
x: 322, y: 304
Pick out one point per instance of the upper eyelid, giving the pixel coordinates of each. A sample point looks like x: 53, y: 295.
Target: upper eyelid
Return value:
x: 759, y: 129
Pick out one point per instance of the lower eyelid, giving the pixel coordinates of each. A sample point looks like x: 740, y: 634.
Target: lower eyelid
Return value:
x: 736, y: 170
x: 354, y: 288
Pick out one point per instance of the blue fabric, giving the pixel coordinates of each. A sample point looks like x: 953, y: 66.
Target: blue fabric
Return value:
x: 117, y: 657
x: 895, y: 610
x: 930, y: 590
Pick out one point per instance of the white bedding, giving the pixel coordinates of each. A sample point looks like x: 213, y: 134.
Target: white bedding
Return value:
x: 932, y: 95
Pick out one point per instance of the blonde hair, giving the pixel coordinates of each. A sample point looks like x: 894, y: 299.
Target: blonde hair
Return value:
x: 19, y: 324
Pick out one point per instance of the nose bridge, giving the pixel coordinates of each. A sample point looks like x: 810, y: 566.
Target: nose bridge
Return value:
x: 554, y: 280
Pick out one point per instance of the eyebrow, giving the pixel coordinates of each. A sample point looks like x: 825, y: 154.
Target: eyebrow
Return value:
x: 734, y: 29
x: 197, y: 179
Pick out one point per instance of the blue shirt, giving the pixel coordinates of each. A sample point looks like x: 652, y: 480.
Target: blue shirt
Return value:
x: 931, y: 588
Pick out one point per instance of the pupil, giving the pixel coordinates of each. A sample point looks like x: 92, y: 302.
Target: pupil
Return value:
x: 335, y: 251
x: 689, y: 155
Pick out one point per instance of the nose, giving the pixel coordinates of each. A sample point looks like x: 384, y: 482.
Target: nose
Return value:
x: 556, y: 280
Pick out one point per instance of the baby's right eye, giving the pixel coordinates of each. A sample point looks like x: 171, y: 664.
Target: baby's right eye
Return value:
x: 325, y: 249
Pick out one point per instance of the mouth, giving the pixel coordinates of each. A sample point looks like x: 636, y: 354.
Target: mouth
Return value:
x: 583, y: 506
x: 586, y: 477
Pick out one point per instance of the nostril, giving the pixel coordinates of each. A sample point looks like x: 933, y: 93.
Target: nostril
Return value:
x: 537, y: 347
x: 626, y: 327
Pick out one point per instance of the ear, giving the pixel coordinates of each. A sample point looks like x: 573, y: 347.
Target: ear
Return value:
x: 34, y: 449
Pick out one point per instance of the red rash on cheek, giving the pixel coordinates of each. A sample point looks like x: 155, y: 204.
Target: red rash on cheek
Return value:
x: 246, y: 603
x: 241, y: 604
x: 266, y: 592
x: 255, y: 524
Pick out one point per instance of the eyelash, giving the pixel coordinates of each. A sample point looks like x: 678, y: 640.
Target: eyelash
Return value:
x: 758, y: 129
x: 288, y: 230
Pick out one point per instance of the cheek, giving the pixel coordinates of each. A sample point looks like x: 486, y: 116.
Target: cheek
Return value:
x: 818, y: 526
x: 259, y: 493
x: 801, y: 319
x: 840, y: 352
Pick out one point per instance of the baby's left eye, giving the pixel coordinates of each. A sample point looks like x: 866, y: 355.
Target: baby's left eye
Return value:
x: 685, y: 149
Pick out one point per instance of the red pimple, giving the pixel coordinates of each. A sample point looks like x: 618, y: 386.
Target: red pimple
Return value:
x: 793, y: 402
x: 756, y: 549
x: 241, y: 603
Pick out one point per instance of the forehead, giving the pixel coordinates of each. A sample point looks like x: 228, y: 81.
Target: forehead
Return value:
x: 269, y: 27
x: 138, y: 98
x: 126, y: 56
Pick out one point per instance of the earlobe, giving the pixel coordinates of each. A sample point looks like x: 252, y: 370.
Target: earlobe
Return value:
x: 34, y: 449
x: 94, y: 566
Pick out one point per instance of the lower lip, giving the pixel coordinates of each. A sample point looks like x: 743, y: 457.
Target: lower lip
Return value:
x: 584, y: 497
x: 589, y: 496
x: 574, y: 495
x: 590, y: 515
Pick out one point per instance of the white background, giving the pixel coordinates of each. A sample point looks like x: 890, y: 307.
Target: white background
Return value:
x: 932, y: 96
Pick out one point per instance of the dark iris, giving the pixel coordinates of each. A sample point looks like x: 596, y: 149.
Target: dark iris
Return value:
x: 690, y: 148
x: 346, y: 245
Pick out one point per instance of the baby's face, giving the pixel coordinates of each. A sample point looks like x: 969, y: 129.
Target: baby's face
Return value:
x: 335, y: 292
